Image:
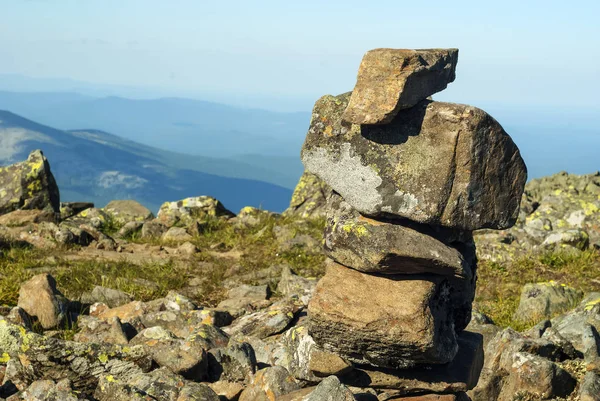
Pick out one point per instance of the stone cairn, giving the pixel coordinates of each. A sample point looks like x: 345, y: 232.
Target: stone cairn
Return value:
x: 411, y: 179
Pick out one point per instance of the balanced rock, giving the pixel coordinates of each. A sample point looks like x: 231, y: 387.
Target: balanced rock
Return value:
x: 29, y: 185
x: 390, y: 80
x: 388, y: 321
x: 436, y: 163
x: 380, y: 247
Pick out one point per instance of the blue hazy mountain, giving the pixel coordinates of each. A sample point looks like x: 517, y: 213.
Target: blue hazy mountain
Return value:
x: 180, y: 125
x: 92, y: 165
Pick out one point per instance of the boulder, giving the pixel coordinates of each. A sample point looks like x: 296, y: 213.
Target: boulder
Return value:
x: 124, y: 211
x: 81, y: 363
x: 545, y: 300
x: 29, y: 185
x: 40, y: 298
x: 94, y: 330
x: 392, y: 321
x: 435, y: 163
x: 192, y: 209
x: 47, y: 390
x: 236, y: 363
x: 309, y: 197
x: 390, y: 80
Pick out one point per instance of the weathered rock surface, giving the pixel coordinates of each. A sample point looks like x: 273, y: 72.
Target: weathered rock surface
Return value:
x: 268, y: 384
x: 461, y: 374
x: 383, y: 321
x: 331, y: 389
x: 40, y: 298
x: 29, y: 185
x: 390, y: 80
x: 516, y: 363
x: 545, y: 300
x: 309, y: 197
x: 558, y: 213
x: 376, y: 246
x: 436, y: 163
x: 192, y: 209
x: 124, y: 211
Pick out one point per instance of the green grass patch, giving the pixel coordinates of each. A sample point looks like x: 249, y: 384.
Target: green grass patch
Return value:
x: 499, y: 284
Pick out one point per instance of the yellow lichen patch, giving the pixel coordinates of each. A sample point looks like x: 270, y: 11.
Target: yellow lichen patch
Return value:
x: 589, y: 208
x: 590, y: 305
x: 110, y: 379
x: 274, y: 312
x: 357, y: 229
x: 103, y: 358
x: 4, y: 358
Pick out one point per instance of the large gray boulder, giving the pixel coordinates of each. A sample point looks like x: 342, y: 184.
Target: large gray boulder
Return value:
x: 436, y: 163
x: 29, y: 185
x: 390, y: 80
x: 391, y: 321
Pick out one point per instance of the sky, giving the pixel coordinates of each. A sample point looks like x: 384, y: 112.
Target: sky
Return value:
x: 534, y: 65
x: 286, y: 54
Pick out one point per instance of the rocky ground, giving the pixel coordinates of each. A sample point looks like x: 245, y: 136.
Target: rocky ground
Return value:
x: 201, y: 304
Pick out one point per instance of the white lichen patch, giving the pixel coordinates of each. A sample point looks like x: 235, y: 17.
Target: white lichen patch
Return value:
x: 347, y: 175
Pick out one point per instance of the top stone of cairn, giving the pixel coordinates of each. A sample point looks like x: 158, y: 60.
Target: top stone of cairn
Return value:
x: 390, y: 80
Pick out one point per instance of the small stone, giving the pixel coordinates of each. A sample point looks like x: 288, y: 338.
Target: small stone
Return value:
x: 268, y: 384
x: 390, y: 80
x: 153, y: 229
x: 544, y: 300
x: 124, y: 211
x: 236, y: 363
x: 39, y: 298
x: 109, y: 296
x: 325, y: 364
x: 192, y: 209
x: 331, y: 389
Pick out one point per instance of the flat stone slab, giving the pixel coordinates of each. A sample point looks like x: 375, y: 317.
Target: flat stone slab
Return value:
x: 459, y: 375
x: 390, y: 80
x: 383, y: 321
x: 436, y: 163
x: 393, y: 247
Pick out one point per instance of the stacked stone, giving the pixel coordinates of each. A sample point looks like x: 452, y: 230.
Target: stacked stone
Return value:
x: 411, y: 179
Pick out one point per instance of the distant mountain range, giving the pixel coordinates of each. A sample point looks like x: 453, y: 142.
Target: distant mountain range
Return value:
x: 267, y: 143
x: 92, y: 165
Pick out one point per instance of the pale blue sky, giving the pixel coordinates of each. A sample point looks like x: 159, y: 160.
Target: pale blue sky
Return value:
x: 520, y: 53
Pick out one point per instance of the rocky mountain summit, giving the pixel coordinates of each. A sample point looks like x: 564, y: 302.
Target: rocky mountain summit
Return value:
x: 363, y: 289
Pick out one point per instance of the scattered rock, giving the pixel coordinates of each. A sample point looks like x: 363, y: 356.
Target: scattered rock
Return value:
x: 40, y: 298
x: 124, y: 211
x: 309, y: 197
x: 29, y: 185
x: 109, y: 296
x: 192, y: 209
x: 332, y: 390
x: 268, y: 384
x: 545, y: 300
